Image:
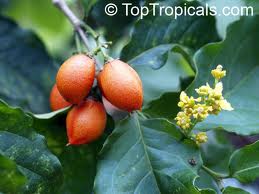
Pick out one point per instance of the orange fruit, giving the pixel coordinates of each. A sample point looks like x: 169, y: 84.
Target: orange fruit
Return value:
x: 85, y: 122
x: 75, y: 78
x: 121, y: 85
x: 56, y: 100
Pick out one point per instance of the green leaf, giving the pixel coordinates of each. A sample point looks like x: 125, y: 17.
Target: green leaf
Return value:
x: 244, y: 163
x: 3, y: 3
x: 238, y: 53
x: 147, y: 156
x: 113, y: 29
x: 253, y: 4
x: 166, y: 79
x: 12, y: 179
x: 27, y: 72
x: 161, y: 70
x: 233, y: 190
x: 42, y: 169
x: 207, y: 191
x: 79, y: 167
x: 78, y: 162
x: 28, y: 150
x: 217, y: 151
x: 51, y: 115
x: 164, y: 107
x: 191, y: 31
x: 88, y: 5
x: 215, y: 155
x: 206, y: 183
x: 42, y: 17
x: 224, y: 21
x: 14, y: 120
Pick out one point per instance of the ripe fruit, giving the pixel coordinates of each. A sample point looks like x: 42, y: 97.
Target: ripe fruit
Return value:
x: 85, y: 122
x: 75, y: 78
x: 121, y: 85
x: 56, y: 100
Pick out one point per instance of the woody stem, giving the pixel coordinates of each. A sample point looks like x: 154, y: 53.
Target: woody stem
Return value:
x: 77, y: 23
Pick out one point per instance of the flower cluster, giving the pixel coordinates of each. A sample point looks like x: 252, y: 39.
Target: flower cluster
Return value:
x: 210, y: 101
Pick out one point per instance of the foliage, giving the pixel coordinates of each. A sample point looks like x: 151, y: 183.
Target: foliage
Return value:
x: 35, y: 15
x: 243, y: 70
x: 27, y: 72
x: 146, y: 152
x: 138, y: 167
x: 13, y: 179
x: 25, y: 151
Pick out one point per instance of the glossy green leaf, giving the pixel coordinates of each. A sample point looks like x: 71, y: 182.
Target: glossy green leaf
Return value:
x: 217, y: 151
x: 191, y: 31
x: 28, y: 150
x: 42, y: 17
x: 224, y: 21
x: 207, y: 191
x: 27, y: 72
x: 12, y: 180
x: 166, y: 79
x: 3, y: 3
x: 161, y: 70
x: 42, y: 169
x: 244, y: 163
x: 114, y: 26
x: 206, y: 183
x: 88, y: 5
x: 215, y: 155
x: 164, y: 107
x: 233, y: 190
x: 51, y: 115
x: 253, y: 4
x: 79, y: 167
x: 245, y: 6
x: 147, y: 156
x: 238, y: 53
x: 78, y: 162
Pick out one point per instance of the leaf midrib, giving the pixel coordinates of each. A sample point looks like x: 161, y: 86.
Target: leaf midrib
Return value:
x: 146, y: 153
x: 245, y: 169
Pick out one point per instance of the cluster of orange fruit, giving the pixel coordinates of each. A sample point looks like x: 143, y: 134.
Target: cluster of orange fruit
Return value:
x: 118, y: 82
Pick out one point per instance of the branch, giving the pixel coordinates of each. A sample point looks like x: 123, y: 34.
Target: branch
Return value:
x: 77, y: 23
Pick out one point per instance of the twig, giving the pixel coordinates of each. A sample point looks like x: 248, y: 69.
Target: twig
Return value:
x: 77, y: 23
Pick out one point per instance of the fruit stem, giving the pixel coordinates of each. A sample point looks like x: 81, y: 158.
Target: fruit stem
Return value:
x: 99, y: 48
x: 77, y: 23
x: 90, y: 30
x: 78, y: 44
x: 80, y: 27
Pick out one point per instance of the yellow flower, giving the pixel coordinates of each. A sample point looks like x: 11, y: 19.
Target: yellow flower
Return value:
x: 225, y: 105
x: 218, y: 73
x: 216, y: 109
x: 183, y: 120
x: 187, y: 102
x: 210, y: 101
x: 201, y: 111
x: 204, y: 90
x: 201, y: 138
x: 217, y: 101
x: 218, y: 89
